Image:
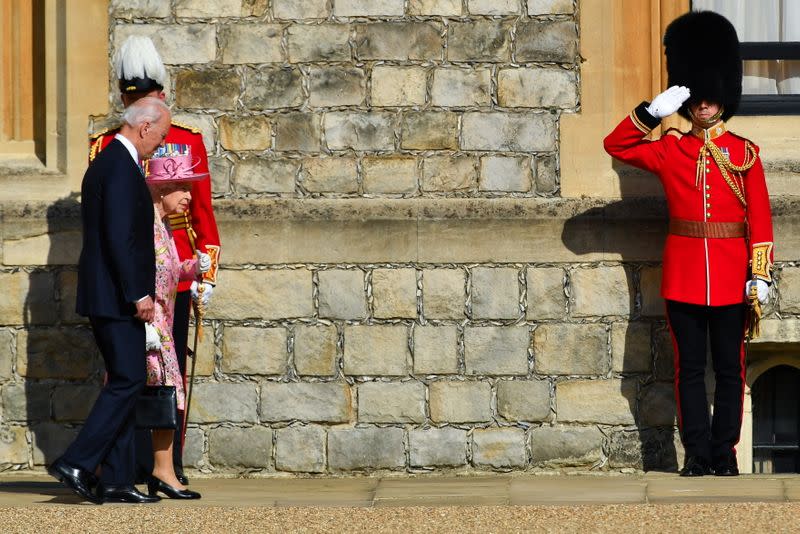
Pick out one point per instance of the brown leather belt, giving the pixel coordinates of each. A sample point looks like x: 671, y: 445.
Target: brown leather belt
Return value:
x: 714, y: 230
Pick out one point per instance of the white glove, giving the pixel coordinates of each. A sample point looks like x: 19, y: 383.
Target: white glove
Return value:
x: 762, y: 288
x: 152, y: 337
x: 208, y: 289
x: 203, y: 262
x: 668, y: 102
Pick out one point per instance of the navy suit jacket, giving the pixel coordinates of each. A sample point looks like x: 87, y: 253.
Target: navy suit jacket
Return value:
x: 117, y: 265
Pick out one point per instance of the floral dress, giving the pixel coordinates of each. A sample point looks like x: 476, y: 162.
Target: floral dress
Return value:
x: 169, y: 271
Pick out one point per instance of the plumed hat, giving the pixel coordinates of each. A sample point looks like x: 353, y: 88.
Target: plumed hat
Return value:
x: 702, y: 51
x: 138, y: 66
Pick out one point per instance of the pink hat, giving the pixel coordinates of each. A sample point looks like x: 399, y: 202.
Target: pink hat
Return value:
x: 172, y: 167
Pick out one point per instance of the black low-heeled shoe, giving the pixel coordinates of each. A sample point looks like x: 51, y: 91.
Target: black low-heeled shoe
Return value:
x: 154, y: 485
x: 181, y: 476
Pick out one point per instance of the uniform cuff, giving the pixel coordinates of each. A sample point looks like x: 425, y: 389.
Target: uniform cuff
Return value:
x: 761, y: 264
x: 642, y: 118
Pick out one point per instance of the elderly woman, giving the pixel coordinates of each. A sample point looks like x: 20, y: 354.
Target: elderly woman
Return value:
x: 169, y: 177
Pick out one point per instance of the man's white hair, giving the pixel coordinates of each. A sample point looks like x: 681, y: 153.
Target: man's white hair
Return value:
x: 147, y: 109
x: 138, y: 58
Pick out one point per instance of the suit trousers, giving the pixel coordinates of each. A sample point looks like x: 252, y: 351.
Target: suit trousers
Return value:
x: 107, y: 436
x: 691, y: 326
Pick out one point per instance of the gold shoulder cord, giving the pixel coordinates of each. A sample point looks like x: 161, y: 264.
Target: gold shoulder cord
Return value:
x: 726, y: 166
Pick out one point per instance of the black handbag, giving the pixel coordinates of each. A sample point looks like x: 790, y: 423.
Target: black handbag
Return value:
x: 157, y: 408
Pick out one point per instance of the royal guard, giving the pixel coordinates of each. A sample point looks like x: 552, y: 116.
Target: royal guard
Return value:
x: 141, y: 73
x: 719, y: 247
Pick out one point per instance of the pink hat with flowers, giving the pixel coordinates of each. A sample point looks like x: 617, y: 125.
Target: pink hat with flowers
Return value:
x: 172, y: 163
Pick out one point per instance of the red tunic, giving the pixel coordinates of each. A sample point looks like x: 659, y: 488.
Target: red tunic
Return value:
x: 200, y: 214
x: 706, y: 271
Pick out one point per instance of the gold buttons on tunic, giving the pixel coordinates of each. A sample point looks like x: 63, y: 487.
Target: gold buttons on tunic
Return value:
x: 708, y: 186
x: 708, y: 215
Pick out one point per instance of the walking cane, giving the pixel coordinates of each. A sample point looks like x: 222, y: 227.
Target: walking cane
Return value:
x: 199, y: 311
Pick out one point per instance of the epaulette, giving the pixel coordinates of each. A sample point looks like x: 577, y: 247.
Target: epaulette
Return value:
x: 186, y: 127
x: 102, y: 132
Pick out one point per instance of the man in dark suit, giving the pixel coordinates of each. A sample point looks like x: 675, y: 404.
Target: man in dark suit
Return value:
x: 116, y: 285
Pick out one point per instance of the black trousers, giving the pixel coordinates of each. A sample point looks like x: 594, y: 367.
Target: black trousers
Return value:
x: 107, y: 436
x: 691, y: 325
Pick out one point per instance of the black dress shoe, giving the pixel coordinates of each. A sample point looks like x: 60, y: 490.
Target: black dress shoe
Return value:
x: 726, y: 468
x: 78, y: 480
x: 695, y: 466
x: 154, y: 485
x: 128, y: 494
x: 180, y: 475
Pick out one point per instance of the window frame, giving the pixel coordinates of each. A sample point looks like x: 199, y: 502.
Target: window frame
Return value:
x: 769, y: 104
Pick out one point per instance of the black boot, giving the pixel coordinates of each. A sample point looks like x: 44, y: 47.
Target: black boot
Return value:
x: 695, y: 466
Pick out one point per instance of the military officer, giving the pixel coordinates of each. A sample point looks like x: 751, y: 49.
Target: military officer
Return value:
x: 141, y: 73
x: 719, y: 244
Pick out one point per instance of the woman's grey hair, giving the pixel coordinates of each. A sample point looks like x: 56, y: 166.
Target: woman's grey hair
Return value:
x: 147, y: 109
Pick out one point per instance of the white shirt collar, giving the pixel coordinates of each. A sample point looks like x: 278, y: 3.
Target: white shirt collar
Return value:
x: 131, y: 149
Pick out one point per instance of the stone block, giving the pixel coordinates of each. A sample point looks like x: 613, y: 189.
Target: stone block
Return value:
x: 649, y: 449
x: 398, y: 86
x: 376, y: 350
x: 496, y: 350
x: 240, y: 447
x: 537, y: 88
x: 449, y: 173
x: 221, y: 170
x: 6, y: 353
x: 127, y: 9
x: 61, y: 353
x: 495, y: 293
x: 443, y: 293
x: 480, y: 40
x: 550, y: 7
x: 300, y: 9
x: 299, y: 132
x: 27, y: 298
x: 336, y: 86
x: 50, y: 440
x: 630, y: 348
x: 555, y: 41
x: 342, y: 294
x: 73, y: 403
x: 652, y: 301
x: 570, y: 349
x: 657, y: 406
x: 203, y: 89
x: 547, y: 177
x: 251, y: 43
x: 505, y: 174
x: 399, y: 41
x: 366, y: 448
x: 493, y: 7
x: 177, y: 44
x: 601, y: 291
x: 220, y: 8
x: 442, y: 8
x: 457, y: 87
x: 254, y: 351
x: 546, y: 299
x: 219, y: 403
x: 330, y: 175
x: 435, y: 447
x: 67, y: 284
x: 27, y: 401
x: 610, y: 401
x: 435, y: 350
x: 327, y: 402
x: 460, y: 402
x: 259, y: 175
x: 193, y: 448
x: 282, y: 294
x: 389, y: 175
x: 206, y: 352
x: 300, y: 449
x: 789, y: 288
x: 359, y: 131
x: 318, y: 42
x: 204, y: 123
x: 368, y: 8
x: 315, y: 350
x: 508, y: 132
x: 13, y: 445
x: 245, y: 133
x: 499, y: 448
x: 273, y: 88
x: 394, y: 293
x: 564, y: 446
x: 664, y: 361
x: 429, y: 130
x: 524, y: 400
x: 386, y: 402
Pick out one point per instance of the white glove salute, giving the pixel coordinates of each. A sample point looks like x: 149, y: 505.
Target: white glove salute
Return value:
x: 203, y: 262
x: 761, y: 287
x: 208, y: 289
x: 152, y: 339
x: 668, y: 102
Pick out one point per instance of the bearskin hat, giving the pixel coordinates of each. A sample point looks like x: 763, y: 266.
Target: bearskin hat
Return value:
x: 702, y: 51
x: 138, y: 66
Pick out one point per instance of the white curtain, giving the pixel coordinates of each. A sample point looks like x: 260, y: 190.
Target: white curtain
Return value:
x: 763, y: 20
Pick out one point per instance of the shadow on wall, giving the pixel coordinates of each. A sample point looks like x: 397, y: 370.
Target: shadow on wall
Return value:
x: 56, y: 353
x: 632, y: 231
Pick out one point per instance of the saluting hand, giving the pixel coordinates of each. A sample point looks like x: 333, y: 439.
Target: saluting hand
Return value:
x: 145, y: 309
x: 669, y: 101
